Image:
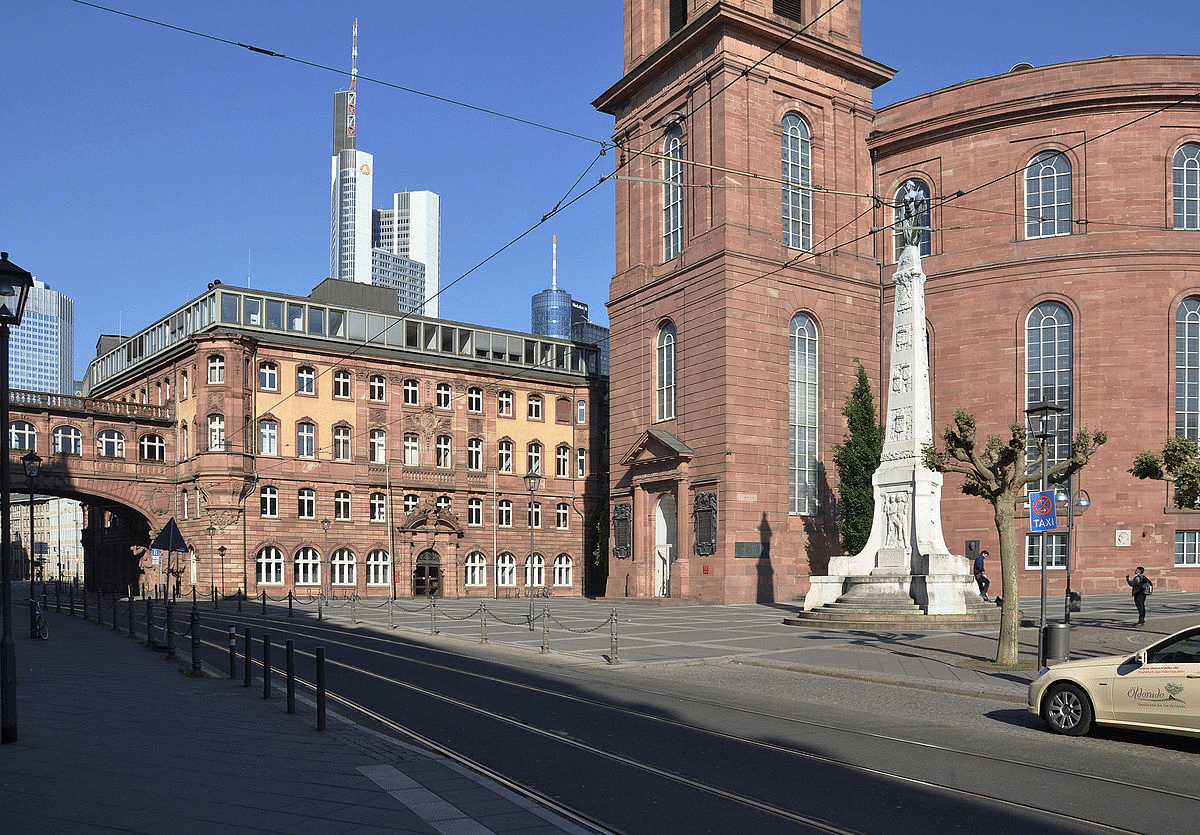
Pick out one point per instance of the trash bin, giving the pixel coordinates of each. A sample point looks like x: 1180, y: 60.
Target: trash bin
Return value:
x: 1056, y: 642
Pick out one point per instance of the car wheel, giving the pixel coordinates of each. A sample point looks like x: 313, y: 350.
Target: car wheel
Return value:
x: 1067, y: 710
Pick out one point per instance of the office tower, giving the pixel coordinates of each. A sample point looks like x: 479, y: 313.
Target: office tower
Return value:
x: 411, y: 229
x: 42, y: 347
x: 350, y: 190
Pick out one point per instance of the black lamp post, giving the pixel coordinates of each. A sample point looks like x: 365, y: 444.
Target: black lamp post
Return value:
x: 1044, y: 411
x: 15, y: 284
x: 1076, y: 505
x: 32, y: 462
x: 329, y: 559
x: 211, y: 531
x: 532, y: 482
x: 221, y: 553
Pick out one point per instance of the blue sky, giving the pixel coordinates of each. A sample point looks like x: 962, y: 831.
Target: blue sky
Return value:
x: 140, y: 162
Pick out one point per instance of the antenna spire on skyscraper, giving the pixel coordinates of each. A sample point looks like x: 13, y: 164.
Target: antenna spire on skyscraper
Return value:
x: 351, y: 100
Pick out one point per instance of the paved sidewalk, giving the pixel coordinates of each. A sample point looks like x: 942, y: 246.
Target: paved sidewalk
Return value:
x: 114, y: 738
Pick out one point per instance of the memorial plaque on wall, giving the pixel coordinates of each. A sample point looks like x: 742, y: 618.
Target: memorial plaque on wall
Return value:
x: 622, y: 531
x: 705, y: 514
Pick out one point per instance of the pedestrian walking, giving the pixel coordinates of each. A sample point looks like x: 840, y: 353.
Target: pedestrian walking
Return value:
x: 1142, y: 588
x: 981, y: 579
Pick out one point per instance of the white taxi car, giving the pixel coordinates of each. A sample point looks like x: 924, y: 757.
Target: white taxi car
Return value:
x: 1155, y: 689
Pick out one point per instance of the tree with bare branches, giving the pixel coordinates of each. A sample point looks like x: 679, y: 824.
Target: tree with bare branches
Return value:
x: 998, y: 474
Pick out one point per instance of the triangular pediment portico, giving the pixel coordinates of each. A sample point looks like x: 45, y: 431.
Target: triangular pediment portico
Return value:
x: 657, y: 447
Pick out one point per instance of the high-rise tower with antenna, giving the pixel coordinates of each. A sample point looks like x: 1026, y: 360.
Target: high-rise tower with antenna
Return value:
x: 350, y: 189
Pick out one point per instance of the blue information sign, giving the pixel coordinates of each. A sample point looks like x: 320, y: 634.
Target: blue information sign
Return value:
x: 1041, y: 512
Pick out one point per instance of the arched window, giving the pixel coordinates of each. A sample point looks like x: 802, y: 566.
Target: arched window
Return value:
x: 183, y: 442
x: 1048, y: 209
x: 506, y: 570
x: 306, y: 440
x: 216, y: 369
x: 444, y: 395
x: 672, y: 226
x: 22, y: 436
x: 308, y: 567
x: 924, y: 220
x: 411, y: 453
x: 535, y: 571
x: 802, y: 416
x: 1187, y: 368
x: 306, y: 503
x: 268, y: 437
x: 341, y: 443
x: 412, y: 393
x: 152, y: 448
x: 504, y: 404
x: 475, y: 512
x: 475, y: 570
x: 1186, y: 186
x: 379, y: 568
x: 504, y: 451
x: 378, y: 507
x: 475, y: 400
x: 342, y: 570
x: 411, y: 500
x: 216, y: 433
x: 341, y: 505
x: 377, y: 446
x: 797, y: 178
x: 562, y: 462
x: 504, y: 513
x: 1049, y: 360
x: 341, y: 384
x: 534, y: 407
x: 306, y: 380
x: 534, y: 458
x: 268, y: 376
x: 110, y: 444
x: 563, y: 573
x: 269, y: 566
x: 378, y: 391
x: 664, y: 377
x: 562, y: 516
x: 68, y: 440
x: 474, y: 454
x: 443, y: 503
x: 443, y: 448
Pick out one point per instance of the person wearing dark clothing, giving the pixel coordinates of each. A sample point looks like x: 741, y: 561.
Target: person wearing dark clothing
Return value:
x: 980, y: 577
x: 1139, y: 584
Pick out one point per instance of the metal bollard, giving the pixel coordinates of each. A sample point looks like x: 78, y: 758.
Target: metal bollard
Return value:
x: 483, y: 623
x: 116, y: 625
x: 319, y: 599
x: 612, y: 619
x: 267, y: 665
x: 238, y: 595
x: 353, y: 601
x: 99, y: 610
x: 232, y: 652
x: 58, y: 597
x: 129, y: 615
x: 264, y: 604
x: 289, y: 603
x: 85, y: 616
x: 390, y: 606
x: 289, y: 654
x: 194, y: 627
x: 149, y: 624
x: 433, y: 616
x: 320, y: 688
x: 216, y: 604
x: 545, y: 631
x: 71, y: 600
x: 246, y: 657
x: 169, y: 629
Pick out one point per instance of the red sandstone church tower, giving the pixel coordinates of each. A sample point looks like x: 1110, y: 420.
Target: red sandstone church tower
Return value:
x: 746, y: 288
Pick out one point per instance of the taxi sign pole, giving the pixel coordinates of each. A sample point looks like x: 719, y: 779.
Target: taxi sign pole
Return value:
x: 1042, y: 518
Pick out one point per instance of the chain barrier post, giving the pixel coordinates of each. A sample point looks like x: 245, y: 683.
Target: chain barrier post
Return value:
x: 149, y: 624
x: 238, y: 595
x: 169, y: 628
x: 483, y: 623
x: 71, y: 600
x: 433, y: 616
x: 289, y: 654
x: 116, y: 624
x: 267, y: 665
x: 289, y: 603
x: 264, y: 606
x: 246, y: 656
x: 320, y: 688
x: 320, y: 597
x: 353, y: 607
x: 58, y: 597
x: 85, y: 615
x: 129, y: 616
x: 194, y: 627
x: 216, y: 604
x: 232, y: 652
x: 391, y: 607
x: 612, y: 632
x: 99, y: 610
x: 545, y: 630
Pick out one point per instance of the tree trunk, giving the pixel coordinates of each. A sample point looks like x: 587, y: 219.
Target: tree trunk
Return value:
x: 1010, y: 562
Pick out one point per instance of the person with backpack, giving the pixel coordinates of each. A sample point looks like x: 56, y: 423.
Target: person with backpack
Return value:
x: 1142, y: 588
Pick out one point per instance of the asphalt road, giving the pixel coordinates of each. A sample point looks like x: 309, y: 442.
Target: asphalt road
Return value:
x: 727, y: 747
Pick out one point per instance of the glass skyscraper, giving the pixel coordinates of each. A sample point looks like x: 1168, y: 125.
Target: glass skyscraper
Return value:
x: 42, y: 347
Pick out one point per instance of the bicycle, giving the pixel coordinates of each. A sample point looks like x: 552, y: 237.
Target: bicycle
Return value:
x: 39, y: 620
x: 544, y: 591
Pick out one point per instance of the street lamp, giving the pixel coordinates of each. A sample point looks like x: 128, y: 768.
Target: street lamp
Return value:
x: 221, y: 554
x: 211, y: 530
x: 1043, y: 411
x: 32, y: 462
x: 15, y: 284
x: 329, y: 580
x: 532, y: 482
x: 1077, y: 505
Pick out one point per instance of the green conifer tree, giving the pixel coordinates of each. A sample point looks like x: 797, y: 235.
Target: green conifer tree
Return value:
x: 856, y: 461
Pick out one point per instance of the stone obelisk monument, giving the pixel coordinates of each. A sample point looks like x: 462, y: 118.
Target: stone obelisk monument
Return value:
x: 905, y: 562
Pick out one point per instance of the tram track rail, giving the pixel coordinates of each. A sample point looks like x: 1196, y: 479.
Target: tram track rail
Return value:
x: 370, y: 644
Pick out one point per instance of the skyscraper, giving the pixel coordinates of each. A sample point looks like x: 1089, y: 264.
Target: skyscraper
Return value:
x: 412, y: 229
x: 398, y: 247
x: 42, y: 347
